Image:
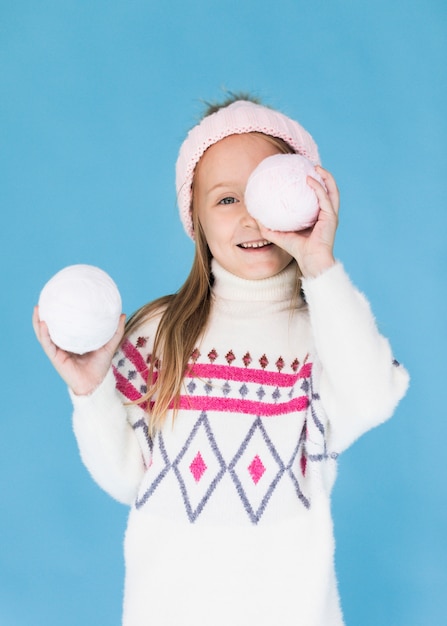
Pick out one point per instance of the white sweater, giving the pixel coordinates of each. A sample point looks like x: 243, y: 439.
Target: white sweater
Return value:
x: 230, y: 521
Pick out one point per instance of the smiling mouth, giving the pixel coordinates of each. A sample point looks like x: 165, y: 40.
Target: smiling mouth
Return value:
x: 249, y: 245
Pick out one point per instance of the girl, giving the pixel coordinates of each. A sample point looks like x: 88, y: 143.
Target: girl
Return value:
x: 221, y: 416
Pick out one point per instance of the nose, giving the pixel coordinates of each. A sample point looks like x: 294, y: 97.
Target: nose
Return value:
x: 246, y: 219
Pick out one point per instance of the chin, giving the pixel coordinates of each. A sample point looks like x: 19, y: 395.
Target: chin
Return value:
x: 261, y: 271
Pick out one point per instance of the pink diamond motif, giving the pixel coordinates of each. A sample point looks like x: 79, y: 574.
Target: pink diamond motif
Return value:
x: 198, y: 467
x: 256, y: 469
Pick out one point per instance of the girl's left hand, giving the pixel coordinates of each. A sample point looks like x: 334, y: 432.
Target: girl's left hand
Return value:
x: 313, y: 248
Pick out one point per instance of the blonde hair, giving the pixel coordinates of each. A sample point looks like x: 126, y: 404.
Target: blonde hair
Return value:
x: 184, y: 317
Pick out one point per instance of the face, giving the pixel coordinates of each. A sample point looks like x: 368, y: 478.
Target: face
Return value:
x: 232, y: 235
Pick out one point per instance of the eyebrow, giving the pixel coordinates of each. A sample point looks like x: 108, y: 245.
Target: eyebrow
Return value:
x: 218, y: 186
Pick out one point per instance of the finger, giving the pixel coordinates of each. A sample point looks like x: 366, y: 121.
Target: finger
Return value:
x: 121, y: 328
x: 40, y: 327
x: 285, y: 240
x: 36, y: 321
x: 114, y: 342
x: 326, y: 176
x: 45, y: 340
x: 324, y: 201
x: 331, y: 187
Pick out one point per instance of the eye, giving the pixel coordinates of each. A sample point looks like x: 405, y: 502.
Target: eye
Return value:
x: 227, y: 200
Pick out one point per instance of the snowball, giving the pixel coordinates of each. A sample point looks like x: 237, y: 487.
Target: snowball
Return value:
x: 81, y: 306
x: 278, y: 196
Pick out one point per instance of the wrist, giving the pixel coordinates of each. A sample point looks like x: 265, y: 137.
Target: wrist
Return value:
x: 88, y: 387
x: 313, y: 267
x: 105, y: 385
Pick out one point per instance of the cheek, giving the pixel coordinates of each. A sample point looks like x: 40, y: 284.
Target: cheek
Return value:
x: 204, y: 223
x: 213, y: 226
x: 213, y: 236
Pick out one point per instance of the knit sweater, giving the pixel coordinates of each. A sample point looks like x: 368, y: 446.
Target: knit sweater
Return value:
x: 230, y: 518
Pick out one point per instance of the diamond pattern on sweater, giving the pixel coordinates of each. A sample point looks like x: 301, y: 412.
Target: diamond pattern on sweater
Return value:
x: 260, y: 393
x: 258, y: 466
x: 146, y: 442
x: 256, y: 469
x: 198, y: 467
x: 294, y: 469
x: 156, y: 480
x: 226, y: 388
x: 255, y: 494
x: 243, y: 390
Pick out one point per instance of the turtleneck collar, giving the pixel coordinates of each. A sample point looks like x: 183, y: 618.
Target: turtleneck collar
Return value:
x: 278, y: 288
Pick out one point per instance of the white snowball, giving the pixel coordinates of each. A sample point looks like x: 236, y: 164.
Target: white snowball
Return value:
x: 81, y: 306
x: 278, y: 196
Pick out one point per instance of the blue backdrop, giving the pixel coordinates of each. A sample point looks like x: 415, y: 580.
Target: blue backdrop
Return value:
x: 95, y: 99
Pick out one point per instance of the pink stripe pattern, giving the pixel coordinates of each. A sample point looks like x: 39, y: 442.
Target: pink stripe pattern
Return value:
x: 224, y: 388
x: 242, y: 405
x: 259, y: 376
x: 136, y: 358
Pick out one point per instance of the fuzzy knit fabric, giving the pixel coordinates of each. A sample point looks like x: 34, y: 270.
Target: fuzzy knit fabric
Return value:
x: 230, y: 517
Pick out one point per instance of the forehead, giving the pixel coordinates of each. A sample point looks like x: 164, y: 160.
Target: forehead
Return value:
x: 235, y: 153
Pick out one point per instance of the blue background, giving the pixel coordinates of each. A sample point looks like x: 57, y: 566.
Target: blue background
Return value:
x: 96, y: 98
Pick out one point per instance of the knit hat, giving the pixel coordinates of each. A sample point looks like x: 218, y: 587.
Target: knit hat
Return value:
x: 242, y: 116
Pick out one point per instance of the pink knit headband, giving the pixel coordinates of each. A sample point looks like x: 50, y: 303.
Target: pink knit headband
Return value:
x: 240, y: 117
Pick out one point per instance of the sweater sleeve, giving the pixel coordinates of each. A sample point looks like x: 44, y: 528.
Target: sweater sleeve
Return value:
x: 361, y: 383
x: 107, y: 442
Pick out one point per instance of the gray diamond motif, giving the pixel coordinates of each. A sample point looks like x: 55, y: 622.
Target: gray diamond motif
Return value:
x: 256, y: 492
x: 276, y: 394
x: 243, y: 390
x: 149, y: 489
x: 226, y: 388
x: 260, y: 393
x: 197, y: 486
x: 294, y: 470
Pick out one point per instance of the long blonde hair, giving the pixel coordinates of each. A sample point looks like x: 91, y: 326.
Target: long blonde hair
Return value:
x: 184, y: 317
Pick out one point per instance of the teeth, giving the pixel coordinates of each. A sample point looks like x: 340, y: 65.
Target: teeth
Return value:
x: 255, y: 244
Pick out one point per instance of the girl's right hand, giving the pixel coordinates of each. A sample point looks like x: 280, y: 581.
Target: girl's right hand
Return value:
x: 82, y: 372
x: 313, y: 248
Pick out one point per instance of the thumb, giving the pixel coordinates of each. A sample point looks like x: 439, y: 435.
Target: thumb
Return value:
x: 112, y: 345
